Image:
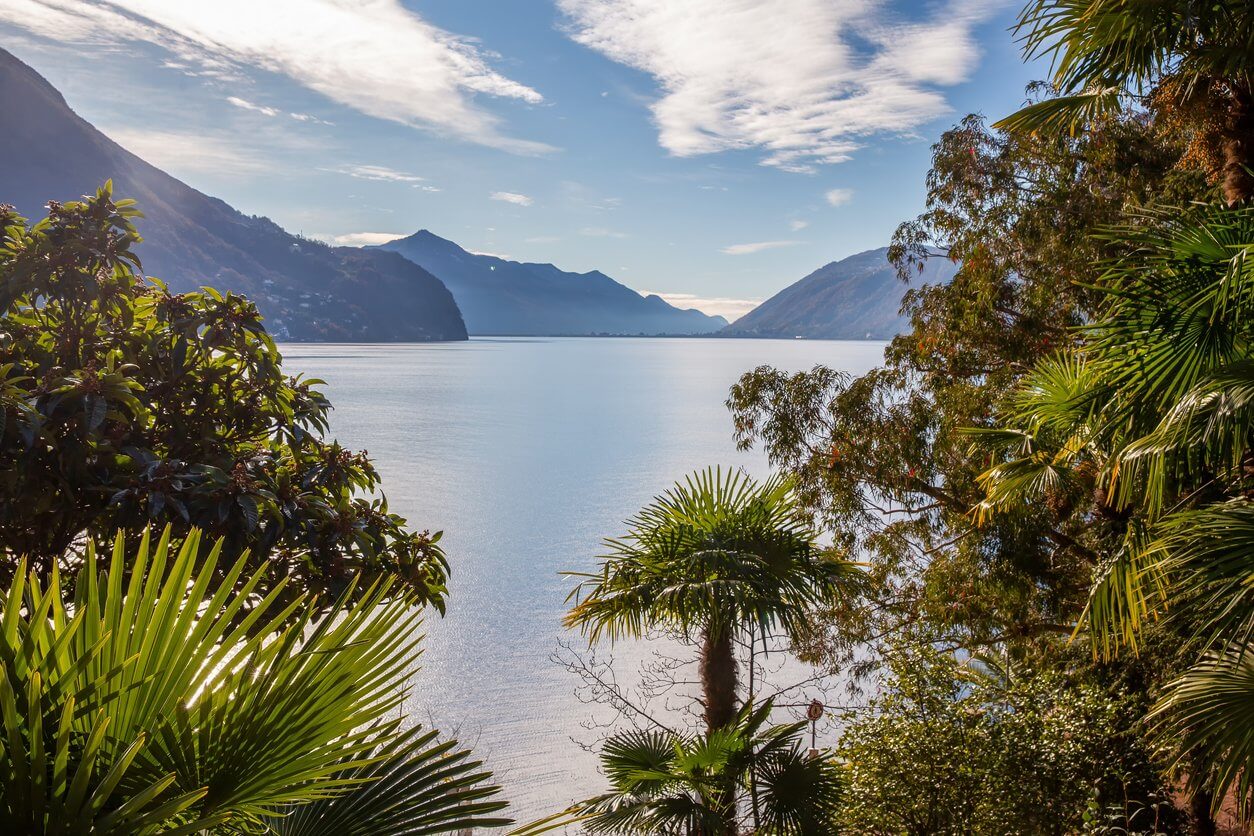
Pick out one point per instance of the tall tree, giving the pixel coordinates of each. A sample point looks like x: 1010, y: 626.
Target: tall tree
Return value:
x: 124, y: 405
x: 1193, y: 61
x: 880, y: 458
x: 717, y: 554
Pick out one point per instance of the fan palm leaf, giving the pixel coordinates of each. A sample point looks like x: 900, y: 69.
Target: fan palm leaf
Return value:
x: 672, y: 784
x: 717, y: 549
x: 156, y: 700
x: 1207, y: 711
x: 413, y: 784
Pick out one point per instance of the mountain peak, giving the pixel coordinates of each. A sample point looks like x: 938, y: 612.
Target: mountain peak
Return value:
x: 855, y: 298
x: 499, y: 296
x: 306, y: 291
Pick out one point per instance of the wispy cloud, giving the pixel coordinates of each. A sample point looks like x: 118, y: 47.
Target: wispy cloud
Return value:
x: 512, y: 197
x: 601, y: 232
x: 798, y: 225
x: 364, y: 239
x: 724, y: 306
x: 266, y: 110
x: 378, y: 173
x: 376, y: 57
x: 827, y: 75
x: 256, y: 108
x: 756, y: 247
x: 542, y: 239
x: 838, y: 197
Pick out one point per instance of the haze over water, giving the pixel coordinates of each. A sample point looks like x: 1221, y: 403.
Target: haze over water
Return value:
x: 527, y: 452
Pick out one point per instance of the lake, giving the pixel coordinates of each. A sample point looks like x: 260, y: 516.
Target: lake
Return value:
x: 527, y: 452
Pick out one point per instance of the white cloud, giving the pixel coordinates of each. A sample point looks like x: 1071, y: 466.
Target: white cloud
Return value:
x: 376, y: 57
x: 756, y: 247
x: 724, y: 306
x: 266, y: 110
x: 838, y: 197
x: 364, y: 239
x: 804, y: 81
x: 512, y: 197
x: 798, y: 225
x: 182, y: 154
x: 601, y: 232
x: 378, y: 173
x: 306, y: 117
x: 256, y: 108
x: 542, y: 239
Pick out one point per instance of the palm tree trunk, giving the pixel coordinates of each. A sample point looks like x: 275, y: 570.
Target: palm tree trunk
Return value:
x: 1203, y: 821
x: 718, y: 682
x: 718, y: 677
x: 1238, y: 149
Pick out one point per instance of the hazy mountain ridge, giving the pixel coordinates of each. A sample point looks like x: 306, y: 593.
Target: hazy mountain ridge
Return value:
x: 856, y: 298
x: 503, y: 297
x: 306, y: 289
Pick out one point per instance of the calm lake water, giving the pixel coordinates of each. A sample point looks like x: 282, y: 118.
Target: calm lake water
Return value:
x: 527, y: 452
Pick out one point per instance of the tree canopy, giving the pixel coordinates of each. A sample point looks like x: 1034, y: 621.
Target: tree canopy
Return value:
x: 124, y: 405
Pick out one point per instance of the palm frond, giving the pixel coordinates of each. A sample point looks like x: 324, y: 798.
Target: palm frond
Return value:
x: 413, y: 783
x: 1129, y: 589
x: 716, y: 549
x: 667, y: 784
x: 1063, y: 114
x: 1207, y: 712
x: 155, y: 701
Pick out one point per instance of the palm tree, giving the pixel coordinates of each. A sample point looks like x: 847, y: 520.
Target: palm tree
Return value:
x: 1158, y: 402
x: 170, y: 695
x: 1196, y: 57
x: 718, y: 553
x: 668, y: 784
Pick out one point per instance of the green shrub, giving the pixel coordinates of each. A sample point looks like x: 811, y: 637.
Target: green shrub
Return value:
x: 124, y: 405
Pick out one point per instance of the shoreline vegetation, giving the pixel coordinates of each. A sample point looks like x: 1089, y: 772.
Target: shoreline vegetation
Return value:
x: 1025, y: 540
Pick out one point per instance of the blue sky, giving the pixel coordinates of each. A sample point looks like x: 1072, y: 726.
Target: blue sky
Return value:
x: 713, y: 151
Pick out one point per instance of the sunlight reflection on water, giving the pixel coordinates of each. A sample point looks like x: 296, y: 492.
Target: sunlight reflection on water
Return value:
x: 527, y: 452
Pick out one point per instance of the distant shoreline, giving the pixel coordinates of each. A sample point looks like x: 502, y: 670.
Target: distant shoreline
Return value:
x: 473, y: 337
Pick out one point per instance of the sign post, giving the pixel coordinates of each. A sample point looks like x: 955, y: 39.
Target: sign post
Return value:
x: 814, y: 713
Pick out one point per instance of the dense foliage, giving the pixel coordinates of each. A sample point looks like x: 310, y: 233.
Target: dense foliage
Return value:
x: 149, y: 702
x: 123, y: 405
x: 987, y: 747
x: 1192, y: 62
x: 880, y: 458
x: 673, y: 785
x: 1154, y: 409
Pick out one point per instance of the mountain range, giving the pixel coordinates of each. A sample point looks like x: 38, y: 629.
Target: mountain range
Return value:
x: 420, y: 287
x: 856, y: 298
x: 504, y: 297
x: 306, y: 289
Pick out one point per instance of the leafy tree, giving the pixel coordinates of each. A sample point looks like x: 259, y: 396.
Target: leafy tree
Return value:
x: 155, y: 700
x: 686, y: 786
x: 1193, y: 61
x: 880, y: 457
x: 1156, y: 408
x: 718, y: 554
x: 980, y: 748
x: 122, y: 404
